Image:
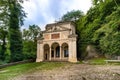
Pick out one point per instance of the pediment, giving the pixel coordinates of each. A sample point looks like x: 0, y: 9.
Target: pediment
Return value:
x: 56, y: 28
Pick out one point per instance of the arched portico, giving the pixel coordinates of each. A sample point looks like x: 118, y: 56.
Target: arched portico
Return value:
x: 46, y: 52
x: 55, y: 51
x: 65, y: 51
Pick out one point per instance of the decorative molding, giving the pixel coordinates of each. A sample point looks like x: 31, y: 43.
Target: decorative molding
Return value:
x: 72, y: 36
x: 56, y: 31
x: 40, y: 42
x: 56, y: 40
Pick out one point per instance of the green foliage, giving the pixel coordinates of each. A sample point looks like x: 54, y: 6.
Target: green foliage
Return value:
x: 30, y: 41
x: 3, y: 28
x: 97, y: 61
x: 11, y: 17
x: 15, y: 36
x: 16, y: 45
x: 0, y: 48
x: 3, y: 35
x: 109, y: 35
x: 32, y: 33
x: 100, y: 27
x: 72, y: 15
x: 29, y: 49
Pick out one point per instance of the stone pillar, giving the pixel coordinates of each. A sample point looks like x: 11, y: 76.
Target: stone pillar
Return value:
x: 50, y: 54
x: 60, y: 52
x: 72, y: 50
x: 54, y: 53
x: 40, y: 52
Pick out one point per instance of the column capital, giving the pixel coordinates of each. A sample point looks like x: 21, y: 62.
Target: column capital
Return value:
x: 40, y: 42
x: 60, y: 46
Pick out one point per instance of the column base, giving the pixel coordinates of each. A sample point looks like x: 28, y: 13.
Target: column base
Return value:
x: 74, y: 60
x: 39, y: 60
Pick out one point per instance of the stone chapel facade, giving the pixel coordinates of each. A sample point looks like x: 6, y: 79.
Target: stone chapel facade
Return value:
x: 58, y: 43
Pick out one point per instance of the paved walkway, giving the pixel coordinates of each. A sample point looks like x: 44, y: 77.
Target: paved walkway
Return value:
x: 76, y: 72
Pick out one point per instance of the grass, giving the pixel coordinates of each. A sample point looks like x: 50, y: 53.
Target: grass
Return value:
x: 101, y: 61
x: 79, y: 62
x: 97, y: 61
x: 13, y: 71
x: 94, y: 61
x: 1, y: 62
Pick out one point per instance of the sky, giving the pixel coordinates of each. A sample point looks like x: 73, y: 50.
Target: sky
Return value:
x: 42, y: 12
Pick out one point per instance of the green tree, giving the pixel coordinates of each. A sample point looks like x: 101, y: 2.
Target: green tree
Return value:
x: 3, y: 27
x: 32, y: 33
x: 3, y: 34
x: 108, y: 36
x: 15, y: 37
x: 99, y: 27
x: 72, y: 15
x: 29, y: 49
x: 30, y: 38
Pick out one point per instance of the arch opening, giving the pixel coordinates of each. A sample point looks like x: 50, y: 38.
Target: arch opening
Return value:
x: 65, y: 51
x: 55, y: 50
x: 46, y: 52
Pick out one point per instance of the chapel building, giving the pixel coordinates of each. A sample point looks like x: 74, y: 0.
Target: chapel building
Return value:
x: 58, y: 43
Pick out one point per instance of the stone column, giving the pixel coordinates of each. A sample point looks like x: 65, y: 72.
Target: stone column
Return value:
x: 60, y: 52
x: 40, y: 51
x: 50, y: 54
x: 72, y: 50
x: 54, y: 53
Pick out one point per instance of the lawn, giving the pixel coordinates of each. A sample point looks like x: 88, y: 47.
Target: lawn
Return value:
x: 97, y: 61
x: 13, y: 71
x: 101, y: 61
x: 20, y: 69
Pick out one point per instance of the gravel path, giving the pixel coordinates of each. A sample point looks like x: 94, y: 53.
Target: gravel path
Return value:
x: 76, y: 72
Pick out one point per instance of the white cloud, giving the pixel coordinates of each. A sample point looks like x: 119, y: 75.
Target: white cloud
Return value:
x: 82, y: 5
x: 30, y: 8
x: 40, y: 12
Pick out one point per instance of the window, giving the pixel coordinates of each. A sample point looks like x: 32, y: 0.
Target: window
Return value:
x: 55, y: 36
